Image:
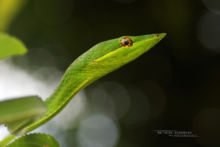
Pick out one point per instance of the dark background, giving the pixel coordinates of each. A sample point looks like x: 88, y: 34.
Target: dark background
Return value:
x: 179, y: 77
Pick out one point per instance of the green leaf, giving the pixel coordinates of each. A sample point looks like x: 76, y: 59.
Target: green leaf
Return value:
x: 10, y: 46
x: 35, y: 140
x: 18, y: 113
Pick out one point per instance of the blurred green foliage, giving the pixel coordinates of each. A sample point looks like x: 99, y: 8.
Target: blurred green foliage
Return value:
x: 8, y: 10
x: 10, y: 46
x: 35, y: 140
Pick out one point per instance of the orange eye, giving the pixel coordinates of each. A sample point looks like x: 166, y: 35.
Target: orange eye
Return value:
x: 126, y: 42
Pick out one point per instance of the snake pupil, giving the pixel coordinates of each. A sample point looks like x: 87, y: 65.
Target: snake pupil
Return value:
x: 126, y: 42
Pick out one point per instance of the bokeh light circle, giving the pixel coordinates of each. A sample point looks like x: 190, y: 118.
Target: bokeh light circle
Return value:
x: 206, y: 126
x: 213, y: 5
x: 139, y: 111
x: 98, y: 130
x: 107, y: 97
x: 209, y: 31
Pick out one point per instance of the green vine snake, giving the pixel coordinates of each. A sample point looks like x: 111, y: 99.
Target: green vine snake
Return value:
x: 100, y: 60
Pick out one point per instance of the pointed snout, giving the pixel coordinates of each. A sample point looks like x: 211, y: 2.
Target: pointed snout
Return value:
x: 161, y: 35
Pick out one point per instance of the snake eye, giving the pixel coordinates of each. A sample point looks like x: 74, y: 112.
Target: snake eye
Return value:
x: 126, y: 42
